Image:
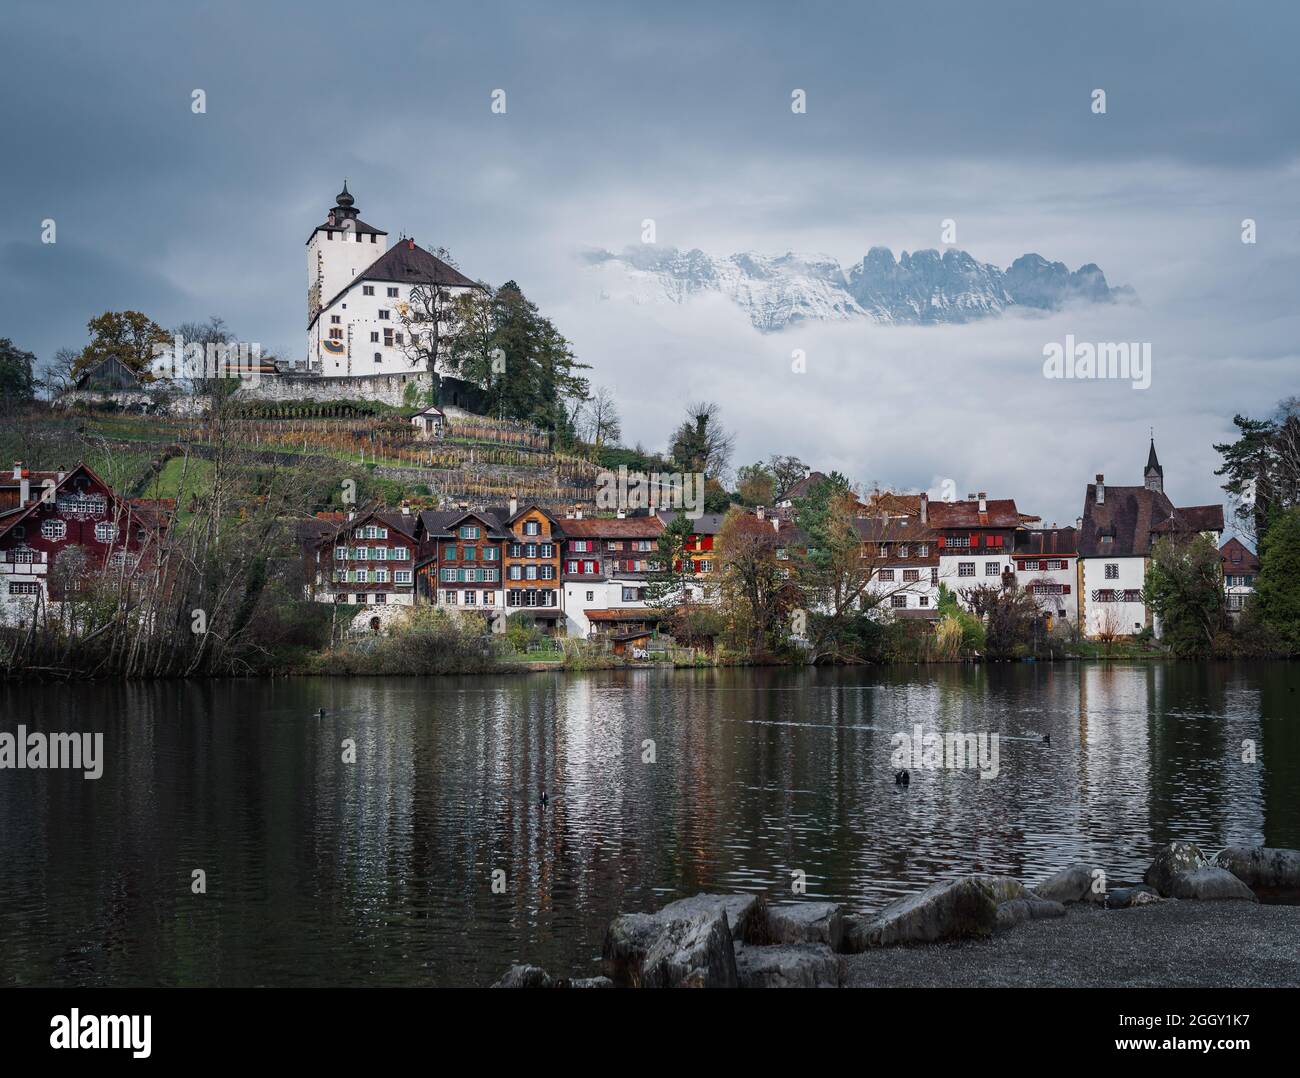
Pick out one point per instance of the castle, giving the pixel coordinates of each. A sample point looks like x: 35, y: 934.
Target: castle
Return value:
x: 358, y: 290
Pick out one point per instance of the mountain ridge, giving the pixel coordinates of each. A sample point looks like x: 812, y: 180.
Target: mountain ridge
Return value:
x: 923, y: 287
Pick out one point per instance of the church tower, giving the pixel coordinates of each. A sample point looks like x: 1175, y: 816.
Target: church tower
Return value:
x: 1154, y: 474
x: 337, y: 251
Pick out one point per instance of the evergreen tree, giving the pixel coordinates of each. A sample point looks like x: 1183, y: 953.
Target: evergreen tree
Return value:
x: 17, y: 383
x: 1184, y: 587
x: 1277, y: 588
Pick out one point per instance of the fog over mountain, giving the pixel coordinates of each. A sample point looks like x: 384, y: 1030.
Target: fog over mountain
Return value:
x: 920, y: 288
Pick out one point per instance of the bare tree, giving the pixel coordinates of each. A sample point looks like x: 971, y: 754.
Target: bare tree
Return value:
x: 600, y: 418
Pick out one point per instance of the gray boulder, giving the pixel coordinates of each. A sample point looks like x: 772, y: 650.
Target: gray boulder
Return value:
x: 745, y: 913
x: 586, y: 982
x: 1073, y: 884
x: 1018, y: 910
x: 806, y: 922
x: 1210, y: 884
x: 524, y: 977
x: 1004, y: 888
x: 1169, y: 861
x: 1262, y: 868
x: 953, y: 910
x: 1123, y: 898
x: 664, y: 951
x: 791, y: 965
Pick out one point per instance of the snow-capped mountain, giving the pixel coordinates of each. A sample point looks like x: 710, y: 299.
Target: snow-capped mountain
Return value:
x: 920, y: 288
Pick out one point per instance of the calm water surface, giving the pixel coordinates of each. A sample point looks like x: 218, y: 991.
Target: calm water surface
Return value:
x: 380, y: 872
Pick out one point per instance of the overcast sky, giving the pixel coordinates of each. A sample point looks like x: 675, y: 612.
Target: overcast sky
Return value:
x: 681, y: 113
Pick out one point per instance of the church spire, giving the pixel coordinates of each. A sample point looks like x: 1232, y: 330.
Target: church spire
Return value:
x: 1154, y: 474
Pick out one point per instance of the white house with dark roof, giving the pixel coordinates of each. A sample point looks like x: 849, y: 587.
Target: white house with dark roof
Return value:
x: 1119, y: 527
x: 356, y: 288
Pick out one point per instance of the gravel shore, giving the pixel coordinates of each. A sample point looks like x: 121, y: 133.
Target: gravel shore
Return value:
x: 1167, y: 945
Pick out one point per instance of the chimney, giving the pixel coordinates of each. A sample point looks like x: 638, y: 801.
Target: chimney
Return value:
x: 24, y: 491
x: 761, y: 512
x: 514, y: 505
x: 18, y: 469
x: 1101, y: 489
x: 406, y: 508
x: 578, y: 515
x: 925, y: 508
x: 1078, y: 523
x: 410, y: 244
x: 776, y: 524
x: 984, y: 502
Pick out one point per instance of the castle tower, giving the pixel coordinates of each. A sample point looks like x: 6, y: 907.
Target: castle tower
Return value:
x: 337, y: 251
x: 1154, y: 475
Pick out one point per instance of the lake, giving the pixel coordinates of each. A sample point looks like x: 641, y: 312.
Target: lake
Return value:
x: 381, y: 871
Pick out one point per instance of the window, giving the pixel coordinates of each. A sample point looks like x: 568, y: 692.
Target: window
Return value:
x: 367, y: 290
x: 886, y: 574
x: 923, y: 600
x: 902, y: 550
x: 992, y: 568
x: 469, y: 531
x: 898, y: 602
x: 336, y: 334
x: 398, y: 338
x: 631, y: 595
x: 572, y: 567
x: 381, y: 597
x: 374, y: 336
x: 380, y: 553
x: 1132, y: 595
x: 381, y: 576
x: 471, y: 598
x: 335, y: 319
x: 530, y: 572
x: 923, y: 551
x: 81, y: 504
x: 491, y: 553
x: 532, y: 527
x: 489, y: 598
x: 471, y: 553
x: 392, y: 293
x: 934, y: 575
x: 1029, y: 566
x: 911, y: 574
x: 361, y: 598
x: 548, y: 572
x: 53, y: 529
x: 388, y: 338
x: 449, y: 552
x: 401, y: 553
x: 546, y: 550
x: 1112, y: 570
x: 379, y: 357
x: 958, y: 541
x: 363, y: 576
x: 884, y: 550
x: 105, y: 531
x: 383, y: 316
x: 530, y: 550
x: 449, y: 597
x: 516, y: 572
x: 362, y: 553
x: 591, y: 596
x: 24, y: 587
x: 581, y: 546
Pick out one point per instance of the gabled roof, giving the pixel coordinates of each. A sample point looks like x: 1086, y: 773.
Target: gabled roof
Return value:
x: 706, y: 524
x: 998, y: 513
x: 612, y: 528
x: 1237, y: 558
x: 1131, y: 516
x: 143, y: 514
x: 557, y: 529
x: 801, y: 488
x: 404, y: 263
x: 396, y: 521
x: 441, y: 523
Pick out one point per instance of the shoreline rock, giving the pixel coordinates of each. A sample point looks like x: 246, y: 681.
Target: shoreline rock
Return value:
x: 739, y: 940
